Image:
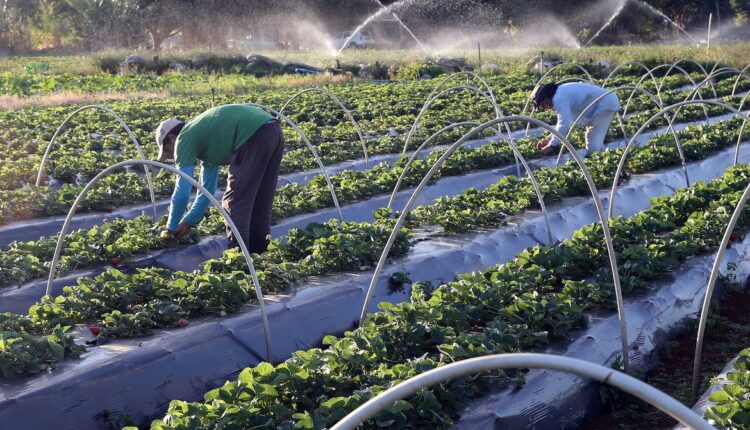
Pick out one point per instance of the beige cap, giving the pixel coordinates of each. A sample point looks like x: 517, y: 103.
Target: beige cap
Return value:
x: 162, y: 131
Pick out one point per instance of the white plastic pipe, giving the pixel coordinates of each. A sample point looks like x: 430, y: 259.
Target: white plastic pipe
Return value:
x: 585, y: 369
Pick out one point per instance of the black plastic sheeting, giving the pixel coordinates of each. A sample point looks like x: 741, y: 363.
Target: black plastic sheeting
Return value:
x: 139, y: 377
x: 558, y: 400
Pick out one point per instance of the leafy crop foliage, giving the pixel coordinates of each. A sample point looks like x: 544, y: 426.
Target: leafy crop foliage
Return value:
x: 731, y: 410
x: 24, y: 261
x: 95, y: 141
x: 520, y: 305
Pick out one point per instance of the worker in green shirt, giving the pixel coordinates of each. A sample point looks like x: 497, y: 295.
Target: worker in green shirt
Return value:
x: 247, y: 139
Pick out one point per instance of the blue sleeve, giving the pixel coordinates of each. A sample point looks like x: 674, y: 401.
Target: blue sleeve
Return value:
x: 180, y: 198
x: 209, y: 179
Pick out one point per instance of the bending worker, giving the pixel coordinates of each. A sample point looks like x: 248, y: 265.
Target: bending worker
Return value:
x: 569, y: 101
x: 247, y: 139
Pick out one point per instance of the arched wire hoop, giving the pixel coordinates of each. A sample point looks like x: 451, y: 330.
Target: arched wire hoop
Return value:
x: 194, y: 183
x: 430, y: 101
x: 688, y: 60
x: 742, y: 130
x: 664, y: 111
x: 718, y: 72
x: 719, y: 61
x: 127, y: 130
x: 737, y: 80
x: 310, y: 146
x: 589, y: 78
x: 647, y: 72
x: 586, y: 369
x: 341, y: 105
x: 468, y: 74
x: 513, y: 147
x: 658, y: 104
x: 658, y: 88
x: 592, y: 188
x: 710, y: 289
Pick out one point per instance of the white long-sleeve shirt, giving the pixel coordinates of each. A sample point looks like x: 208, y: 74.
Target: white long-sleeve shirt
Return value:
x: 572, y: 98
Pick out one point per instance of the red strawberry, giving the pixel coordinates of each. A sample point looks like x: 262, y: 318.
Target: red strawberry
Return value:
x: 182, y: 322
x: 95, y: 330
x: 116, y: 261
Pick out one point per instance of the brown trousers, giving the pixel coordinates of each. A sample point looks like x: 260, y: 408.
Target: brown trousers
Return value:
x: 251, y: 185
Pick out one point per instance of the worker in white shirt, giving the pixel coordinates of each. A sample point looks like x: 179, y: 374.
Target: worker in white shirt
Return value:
x: 569, y: 101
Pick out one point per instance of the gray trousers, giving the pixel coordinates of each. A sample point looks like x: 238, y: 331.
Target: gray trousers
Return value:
x: 251, y: 185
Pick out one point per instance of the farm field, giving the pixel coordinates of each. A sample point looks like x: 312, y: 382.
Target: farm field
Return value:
x: 415, y: 226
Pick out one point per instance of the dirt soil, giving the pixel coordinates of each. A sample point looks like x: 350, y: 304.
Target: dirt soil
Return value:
x: 727, y: 333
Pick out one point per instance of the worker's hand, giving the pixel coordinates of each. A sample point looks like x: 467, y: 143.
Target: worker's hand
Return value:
x: 165, y: 234
x: 542, y: 143
x: 182, y: 230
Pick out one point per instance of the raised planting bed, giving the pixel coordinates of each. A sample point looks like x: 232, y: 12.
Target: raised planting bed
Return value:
x: 331, y: 307
x: 35, y: 255
x: 538, y: 298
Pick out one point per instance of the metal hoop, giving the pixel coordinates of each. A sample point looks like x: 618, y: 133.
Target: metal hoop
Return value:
x: 658, y: 88
x: 341, y: 105
x: 194, y: 183
x: 689, y: 60
x: 513, y: 147
x: 737, y: 80
x: 433, y: 99
x: 621, y: 164
x: 310, y: 147
x: 127, y: 130
x: 592, y: 189
x: 471, y: 366
x: 710, y: 288
x: 642, y: 66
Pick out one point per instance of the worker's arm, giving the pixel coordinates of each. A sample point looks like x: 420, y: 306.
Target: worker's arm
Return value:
x: 564, y: 120
x: 209, y: 179
x: 180, y: 198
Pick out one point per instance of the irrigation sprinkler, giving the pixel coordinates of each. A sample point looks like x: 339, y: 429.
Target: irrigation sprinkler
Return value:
x: 658, y: 104
x: 513, y: 147
x: 592, y: 189
x: 662, y: 112
x: 586, y: 369
x: 705, y: 309
x: 310, y: 146
x: 341, y: 105
x: 194, y: 183
x: 127, y: 130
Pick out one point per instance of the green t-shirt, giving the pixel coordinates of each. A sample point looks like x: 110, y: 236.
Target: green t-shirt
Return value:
x: 216, y: 133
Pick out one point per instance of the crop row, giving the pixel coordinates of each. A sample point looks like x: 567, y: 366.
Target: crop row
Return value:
x: 70, y: 165
x: 23, y: 261
x: 128, y: 187
x: 518, y: 306
x: 127, y: 305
